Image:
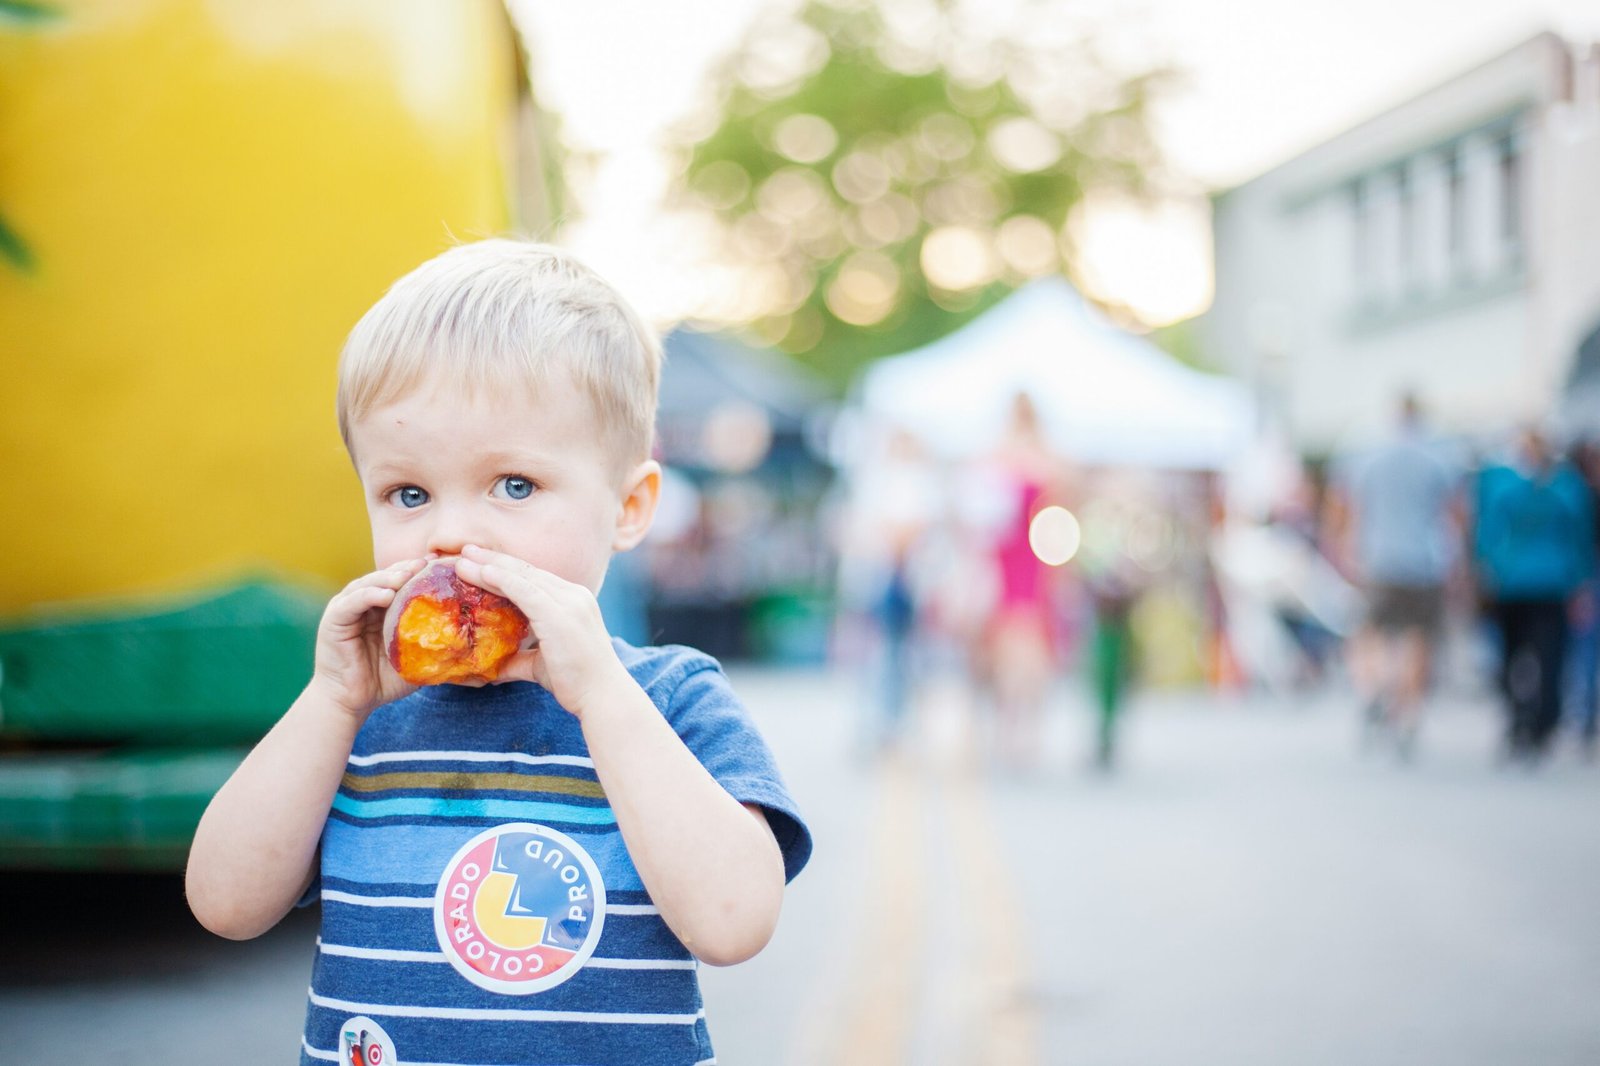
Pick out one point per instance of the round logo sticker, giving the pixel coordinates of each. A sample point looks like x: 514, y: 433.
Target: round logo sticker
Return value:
x: 519, y: 908
x: 362, y: 1042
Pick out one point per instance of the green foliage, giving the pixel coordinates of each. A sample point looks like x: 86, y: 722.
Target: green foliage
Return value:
x: 13, y: 249
x: 28, y: 11
x: 843, y: 141
x: 1181, y: 340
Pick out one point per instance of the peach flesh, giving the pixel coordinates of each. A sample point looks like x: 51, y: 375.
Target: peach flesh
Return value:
x: 439, y: 629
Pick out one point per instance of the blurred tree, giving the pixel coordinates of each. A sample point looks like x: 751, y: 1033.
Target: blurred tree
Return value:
x: 882, y: 172
x: 1181, y: 340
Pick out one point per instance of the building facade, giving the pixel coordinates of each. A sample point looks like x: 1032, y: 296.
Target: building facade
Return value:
x: 1449, y: 247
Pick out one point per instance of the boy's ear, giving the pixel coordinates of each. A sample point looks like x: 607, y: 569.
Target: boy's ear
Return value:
x: 641, y: 491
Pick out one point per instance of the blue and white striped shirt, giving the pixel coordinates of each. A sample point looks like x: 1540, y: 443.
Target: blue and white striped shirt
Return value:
x: 479, y: 907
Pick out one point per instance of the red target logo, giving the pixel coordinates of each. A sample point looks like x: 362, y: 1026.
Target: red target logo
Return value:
x: 362, y: 1042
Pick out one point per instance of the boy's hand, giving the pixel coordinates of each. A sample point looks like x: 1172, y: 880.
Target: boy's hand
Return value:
x: 352, y: 669
x: 573, y: 659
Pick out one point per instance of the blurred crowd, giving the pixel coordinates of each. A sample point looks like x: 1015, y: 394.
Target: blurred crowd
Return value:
x: 1413, y: 560
x: 1008, y: 567
x: 1497, y: 542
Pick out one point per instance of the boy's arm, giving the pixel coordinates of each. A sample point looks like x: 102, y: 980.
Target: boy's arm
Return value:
x: 254, y: 851
x: 711, y: 864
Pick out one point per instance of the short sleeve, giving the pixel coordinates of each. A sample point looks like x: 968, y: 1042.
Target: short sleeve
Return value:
x: 716, y: 727
x: 313, y: 892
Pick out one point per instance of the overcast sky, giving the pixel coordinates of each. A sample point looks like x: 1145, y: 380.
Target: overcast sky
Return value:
x: 1264, y: 79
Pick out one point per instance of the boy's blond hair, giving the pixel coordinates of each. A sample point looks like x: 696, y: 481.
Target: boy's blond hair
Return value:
x: 498, y: 314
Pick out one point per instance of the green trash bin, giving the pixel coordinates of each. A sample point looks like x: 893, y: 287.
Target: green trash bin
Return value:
x: 790, y: 627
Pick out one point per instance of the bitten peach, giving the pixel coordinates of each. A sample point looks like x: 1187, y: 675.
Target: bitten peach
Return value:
x: 440, y: 629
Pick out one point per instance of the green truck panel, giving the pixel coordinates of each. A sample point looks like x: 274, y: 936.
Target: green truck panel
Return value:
x: 117, y: 727
x: 125, y: 808
x: 217, y: 671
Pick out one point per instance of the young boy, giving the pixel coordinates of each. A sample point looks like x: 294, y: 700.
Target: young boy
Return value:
x: 527, y: 871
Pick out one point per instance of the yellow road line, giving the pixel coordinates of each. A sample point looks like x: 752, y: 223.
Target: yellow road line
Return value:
x: 1001, y: 1023
x: 874, y: 1014
x: 980, y: 1004
x: 880, y: 1019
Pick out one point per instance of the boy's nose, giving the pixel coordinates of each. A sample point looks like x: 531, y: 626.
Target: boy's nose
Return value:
x: 453, y: 531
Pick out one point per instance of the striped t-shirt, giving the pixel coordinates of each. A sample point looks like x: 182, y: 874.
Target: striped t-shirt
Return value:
x: 479, y: 907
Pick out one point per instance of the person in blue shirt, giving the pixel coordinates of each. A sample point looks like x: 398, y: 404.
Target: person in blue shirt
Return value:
x: 528, y: 871
x: 1533, y: 548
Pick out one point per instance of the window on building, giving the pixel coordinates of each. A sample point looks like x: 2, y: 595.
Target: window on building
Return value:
x: 1361, y: 231
x: 1509, y: 160
x: 1455, y: 207
x: 1405, y: 242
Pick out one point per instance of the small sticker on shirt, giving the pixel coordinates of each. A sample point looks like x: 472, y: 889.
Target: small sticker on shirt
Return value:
x: 519, y: 909
x: 362, y: 1042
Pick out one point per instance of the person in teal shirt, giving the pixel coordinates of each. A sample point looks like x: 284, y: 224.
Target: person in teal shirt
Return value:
x: 1533, y: 547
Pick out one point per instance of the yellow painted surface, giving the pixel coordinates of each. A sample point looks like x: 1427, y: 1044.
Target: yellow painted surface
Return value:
x: 213, y: 193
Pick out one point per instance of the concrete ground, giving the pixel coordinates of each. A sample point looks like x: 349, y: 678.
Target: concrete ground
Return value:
x: 1249, y: 887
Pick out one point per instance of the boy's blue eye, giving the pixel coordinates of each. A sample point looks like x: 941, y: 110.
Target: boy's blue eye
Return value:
x: 516, y: 487
x: 410, y: 496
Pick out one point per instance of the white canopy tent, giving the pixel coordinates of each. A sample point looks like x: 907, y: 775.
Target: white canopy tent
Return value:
x: 1104, y: 395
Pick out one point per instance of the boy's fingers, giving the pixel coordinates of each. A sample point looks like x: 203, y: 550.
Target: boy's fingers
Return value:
x: 474, y: 555
x: 520, y: 667
x: 350, y: 606
x: 389, y: 577
x: 403, y: 571
x: 516, y: 584
x: 474, y: 559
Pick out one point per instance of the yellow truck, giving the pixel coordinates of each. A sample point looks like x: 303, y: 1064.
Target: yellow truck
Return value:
x: 198, y: 198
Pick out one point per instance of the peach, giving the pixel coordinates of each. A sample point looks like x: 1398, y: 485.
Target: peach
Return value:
x: 440, y: 629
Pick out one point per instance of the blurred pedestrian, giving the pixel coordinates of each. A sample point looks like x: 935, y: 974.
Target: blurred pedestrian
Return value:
x: 1583, y: 671
x: 1398, y: 511
x: 1113, y: 592
x: 1534, y: 546
x: 1019, y: 652
x: 1283, y: 605
x: 894, y: 501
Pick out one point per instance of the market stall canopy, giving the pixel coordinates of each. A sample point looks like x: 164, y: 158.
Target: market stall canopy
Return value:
x: 1104, y: 395
x: 705, y: 369
x: 726, y: 405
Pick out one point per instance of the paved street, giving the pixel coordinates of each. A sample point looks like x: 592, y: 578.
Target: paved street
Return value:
x: 1249, y: 888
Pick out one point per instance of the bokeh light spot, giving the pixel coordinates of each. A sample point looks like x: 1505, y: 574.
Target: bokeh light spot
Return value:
x: 1054, y: 535
x: 1024, y: 145
x: 736, y: 437
x: 861, y: 177
x: 865, y: 289
x: 805, y: 138
x: 958, y: 258
x: 1027, y: 244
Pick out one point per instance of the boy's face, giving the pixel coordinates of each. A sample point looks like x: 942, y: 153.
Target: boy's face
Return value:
x: 530, y: 476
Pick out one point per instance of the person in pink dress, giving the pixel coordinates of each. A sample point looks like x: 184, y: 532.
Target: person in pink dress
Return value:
x: 1021, y: 640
